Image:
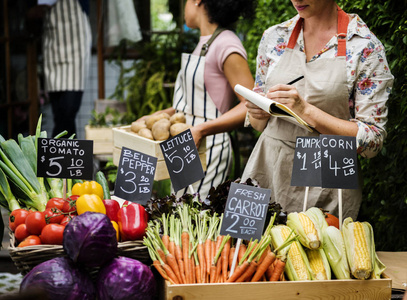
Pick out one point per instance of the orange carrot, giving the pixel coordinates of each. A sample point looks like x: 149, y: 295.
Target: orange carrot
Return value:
x: 270, y: 270
x: 207, y: 248
x: 212, y: 276
x: 239, y: 270
x: 170, y: 273
x: 181, y: 270
x: 242, y: 250
x: 225, y: 260
x: 264, y: 254
x: 185, y: 254
x: 192, y: 268
x: 162, y: 254
x: 171, y: 247
x: 198, y: 273
x: 263, y: 266
x: 278, y: 270
x: 160, y: 269
x: 166, y: 240
x: 172, y: 262
x: 201, y: 259
x: 213, y: 249
x: 218, y: 268
x: 248, y: 273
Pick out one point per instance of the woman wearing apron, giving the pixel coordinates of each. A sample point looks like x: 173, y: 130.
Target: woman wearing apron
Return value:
x: 344, y: 92
x: 203, y: 90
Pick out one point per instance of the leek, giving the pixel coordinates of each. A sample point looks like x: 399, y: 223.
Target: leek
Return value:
x: 18, y: 170
x: 7, y: 199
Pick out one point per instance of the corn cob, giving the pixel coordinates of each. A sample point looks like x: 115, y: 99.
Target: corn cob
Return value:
x: 309, y: 233
x: 297, y: 265
x: 334, y: 248
x: 317, y: 217
x: 360, y: 250
x: 319, y: 264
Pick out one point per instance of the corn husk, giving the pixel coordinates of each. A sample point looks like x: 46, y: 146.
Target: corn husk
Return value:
x: 334, y: 248
x: 319, y: 264
x: 310, y: 235
x: 360, y: 250
x: 297, y: 266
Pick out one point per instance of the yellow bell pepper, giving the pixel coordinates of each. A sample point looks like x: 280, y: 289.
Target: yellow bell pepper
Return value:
x: 88, y: 187
x: 116, y: 227
x: 90, y: 202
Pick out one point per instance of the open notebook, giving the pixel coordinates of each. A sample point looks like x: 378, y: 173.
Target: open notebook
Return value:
x: 272, y: 107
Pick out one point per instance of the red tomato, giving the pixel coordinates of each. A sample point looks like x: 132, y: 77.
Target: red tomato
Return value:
x: 30, y: 240
x: 70, y: 204
x: 21, y: 232
x: 67, y: 219
x: 35, y: 221
x: 52, y: 234
x: 56, y: 203
x: 53, y: 215
x: 17, y: 217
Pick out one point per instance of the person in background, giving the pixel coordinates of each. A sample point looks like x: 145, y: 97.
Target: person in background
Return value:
x: 66, y: 53
x: 204, y: 86
x: 346, y: 85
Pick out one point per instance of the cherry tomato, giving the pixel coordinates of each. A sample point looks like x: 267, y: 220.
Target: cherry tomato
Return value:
x: 21, y: 232
x: 67, y: 219
x: 70, y: 204
x: 35, y: 221
x: 56, y: 203
x: 30, y: 240
x: 17, y: 217
x: 53, y: 215
x: 52, y: 234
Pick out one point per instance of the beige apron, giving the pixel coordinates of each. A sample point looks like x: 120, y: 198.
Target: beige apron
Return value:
x: 325, y: 86
x: 192, y: 98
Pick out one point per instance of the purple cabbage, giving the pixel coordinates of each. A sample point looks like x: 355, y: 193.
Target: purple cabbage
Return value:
x: 126, y: 278
x: 90, y: 239
x: 59, y: 278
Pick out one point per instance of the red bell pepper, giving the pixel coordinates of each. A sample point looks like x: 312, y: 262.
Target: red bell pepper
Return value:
x: 133, y: 220
x: 112, y: 209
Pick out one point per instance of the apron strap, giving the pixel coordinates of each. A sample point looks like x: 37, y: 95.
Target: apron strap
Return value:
x: 343, y: 21
x: 205, y: 47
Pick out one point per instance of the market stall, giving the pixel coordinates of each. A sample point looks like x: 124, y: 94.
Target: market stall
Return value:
x: 234, y: 242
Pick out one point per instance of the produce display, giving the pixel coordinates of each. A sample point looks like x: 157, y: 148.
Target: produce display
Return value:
x: 159, y: 127
x: 186, y: 247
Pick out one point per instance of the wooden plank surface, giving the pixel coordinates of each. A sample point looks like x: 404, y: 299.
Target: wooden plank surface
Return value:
x: 315, y: 290
x: 396, y: 267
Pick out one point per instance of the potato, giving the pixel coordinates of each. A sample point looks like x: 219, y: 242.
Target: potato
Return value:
x: 145, y: 132
x: 154, y: 118
x: 178, y: 117
x: 161, y: 130
x: 137, y: 125
x: 177, y: 128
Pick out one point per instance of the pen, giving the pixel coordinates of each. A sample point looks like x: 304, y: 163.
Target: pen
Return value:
x: 295, y: 80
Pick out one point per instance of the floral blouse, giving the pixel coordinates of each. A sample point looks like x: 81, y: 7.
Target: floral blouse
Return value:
x: 368, y: 74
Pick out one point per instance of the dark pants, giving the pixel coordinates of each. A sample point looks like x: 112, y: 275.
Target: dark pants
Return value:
x: 65, y: 106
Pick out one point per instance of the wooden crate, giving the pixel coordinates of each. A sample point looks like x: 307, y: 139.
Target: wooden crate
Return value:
x: 102, y: 138
x: 124, y: 137
x: 379, y: 289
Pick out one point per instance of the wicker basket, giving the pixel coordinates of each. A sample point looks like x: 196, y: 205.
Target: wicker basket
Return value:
x: 26, y: 258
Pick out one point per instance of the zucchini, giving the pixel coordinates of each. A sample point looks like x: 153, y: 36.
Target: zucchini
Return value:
x: 101, y: 179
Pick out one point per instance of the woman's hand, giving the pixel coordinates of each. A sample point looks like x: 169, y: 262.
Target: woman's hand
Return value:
x: 256, y: 112
x: 197, y: 135
x: 289, y: 96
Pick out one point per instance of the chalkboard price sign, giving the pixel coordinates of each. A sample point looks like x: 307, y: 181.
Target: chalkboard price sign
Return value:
x: 307, y: 162
x: 65, y: 158
x: 135, y: 176
x: 182, y: 160
x: 339, y: 162
x: 245, y: 212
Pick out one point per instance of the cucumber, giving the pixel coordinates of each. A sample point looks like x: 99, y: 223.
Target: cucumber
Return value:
x: 101, y: 179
